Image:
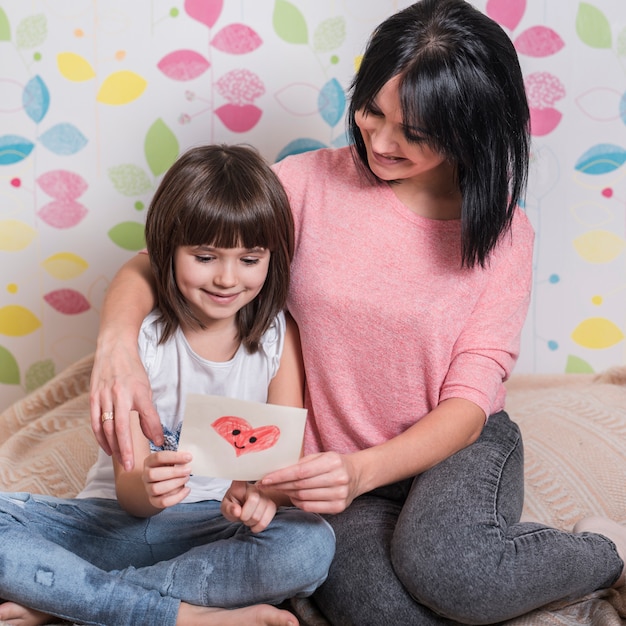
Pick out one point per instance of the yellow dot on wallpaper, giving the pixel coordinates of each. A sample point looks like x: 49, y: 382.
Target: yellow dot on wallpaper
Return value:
x: 65, y: 265
x: 12, y: 288
x: 121, y: 88
x: 597, y: 333
x: 79, y: 32
x: 357, y: 62
x: 16, y: 321
x: 597, y: 300
x: 120, y: 55
x: 599, y: 246
x: 74, y: 67
x: 15, y: 235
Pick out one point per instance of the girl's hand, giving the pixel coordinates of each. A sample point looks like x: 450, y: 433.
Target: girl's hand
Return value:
x: 245, y: 503
x: 326, y: 482
x: 165, y: 475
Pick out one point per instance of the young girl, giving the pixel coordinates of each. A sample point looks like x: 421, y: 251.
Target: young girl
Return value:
x: 150, y: 546
x: 410, y: 284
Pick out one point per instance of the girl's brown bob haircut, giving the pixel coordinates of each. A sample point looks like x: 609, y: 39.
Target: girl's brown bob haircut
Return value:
x: 225, y: 197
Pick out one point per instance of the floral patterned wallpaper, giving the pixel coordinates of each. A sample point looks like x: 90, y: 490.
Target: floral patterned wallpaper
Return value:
x: 98, y: 97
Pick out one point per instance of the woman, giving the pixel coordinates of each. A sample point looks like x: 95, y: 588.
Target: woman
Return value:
x: 410, y: 284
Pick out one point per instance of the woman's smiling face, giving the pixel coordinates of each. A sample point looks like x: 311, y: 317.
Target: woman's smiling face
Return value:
x: 391, y: 156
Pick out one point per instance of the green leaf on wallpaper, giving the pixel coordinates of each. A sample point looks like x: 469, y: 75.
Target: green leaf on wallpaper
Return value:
x: 128, y: 235
x: 31, y: 31
x: 5, y: 26
x: 330, y: 34
x: 130, y: 179
x: 161, y: 147
x: 576, y: 365
x: 38, y: 374
x: 9, y: 369
x: 592, y: 26
x: 289, y: 23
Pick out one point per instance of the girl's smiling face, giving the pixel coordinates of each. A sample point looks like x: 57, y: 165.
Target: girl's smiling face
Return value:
x: 391, y: 156
x: 217, y: 282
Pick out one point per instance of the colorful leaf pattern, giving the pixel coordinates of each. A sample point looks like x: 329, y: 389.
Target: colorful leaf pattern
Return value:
x: 214, y: 60
x: 183, y: 65
x: 236, y: 39
x: 36, y: 99
x: 62, y: 213
x: 538, y: 41
x: 67, y: 301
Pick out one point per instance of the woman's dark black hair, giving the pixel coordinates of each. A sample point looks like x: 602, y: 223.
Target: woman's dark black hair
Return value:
x: 461, y: 85
x: 226, y: 197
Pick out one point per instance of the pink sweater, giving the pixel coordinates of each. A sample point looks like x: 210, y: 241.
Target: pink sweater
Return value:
x: 390, y: 323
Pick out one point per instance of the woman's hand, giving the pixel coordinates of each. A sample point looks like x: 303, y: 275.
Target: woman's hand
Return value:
x: 119, y: 384
x: 326, y: 482
x: 165, y: 475
x: 245, y: 503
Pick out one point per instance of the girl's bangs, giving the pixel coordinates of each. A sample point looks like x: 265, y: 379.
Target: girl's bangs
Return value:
x: 246, y: 226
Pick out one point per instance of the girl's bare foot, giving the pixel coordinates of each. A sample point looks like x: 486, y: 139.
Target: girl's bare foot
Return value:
x: 18, y: 615
x: 257, y: 615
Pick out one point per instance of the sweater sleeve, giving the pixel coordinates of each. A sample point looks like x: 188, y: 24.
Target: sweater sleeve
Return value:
x: 488, y: 347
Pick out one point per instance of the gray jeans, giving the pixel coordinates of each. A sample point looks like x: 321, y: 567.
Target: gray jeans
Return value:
x: 449, y: 543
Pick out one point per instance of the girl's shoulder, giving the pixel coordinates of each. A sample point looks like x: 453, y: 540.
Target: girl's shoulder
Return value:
x: 151, y: 327
x: 148, y: 341
x: 272, y: 341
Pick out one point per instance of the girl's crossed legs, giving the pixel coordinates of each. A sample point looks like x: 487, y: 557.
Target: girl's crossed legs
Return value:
x: 89, y: 561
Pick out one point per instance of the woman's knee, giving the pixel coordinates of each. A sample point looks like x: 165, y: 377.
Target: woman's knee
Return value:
x: 449, y: 577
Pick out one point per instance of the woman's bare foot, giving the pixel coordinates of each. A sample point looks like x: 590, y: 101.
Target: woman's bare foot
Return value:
x: 18, y: 615
x: 257, y: 615
x: 614, y: 531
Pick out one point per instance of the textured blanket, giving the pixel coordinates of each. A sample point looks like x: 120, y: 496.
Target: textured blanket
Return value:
x: 574, y: 429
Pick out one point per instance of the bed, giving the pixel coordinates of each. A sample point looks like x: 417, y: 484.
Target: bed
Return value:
x: 574, y: 428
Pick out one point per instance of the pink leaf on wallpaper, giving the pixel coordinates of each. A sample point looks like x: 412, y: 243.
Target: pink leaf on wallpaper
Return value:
x: 543, y: 89
x: 62, y: 213
x: 240, y: 87
x: 236, y: 39
x: 543, y: 121
x: 507, y: 13
x: 205, y: 11
x: 62, y: 185
x: 239, y: 118
x: 67, y: 301
x: 183, y: 65
x: 538, y: 41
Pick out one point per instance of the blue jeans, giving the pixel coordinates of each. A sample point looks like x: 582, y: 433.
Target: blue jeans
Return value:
x: 89, y: 561
x: 447, y: 547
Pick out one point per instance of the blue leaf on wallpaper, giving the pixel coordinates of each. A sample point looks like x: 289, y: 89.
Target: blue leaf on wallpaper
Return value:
x: 331, y: 102
x: 622, y: 108
x: 63, y: 139
x: 297, y: 146
x: 341, y: 141
x: 36, y: 99
x: 601, y: 159
x: 14, y: 149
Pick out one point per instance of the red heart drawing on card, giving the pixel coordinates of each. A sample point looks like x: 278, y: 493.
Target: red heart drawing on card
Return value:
x: 241, y: 436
